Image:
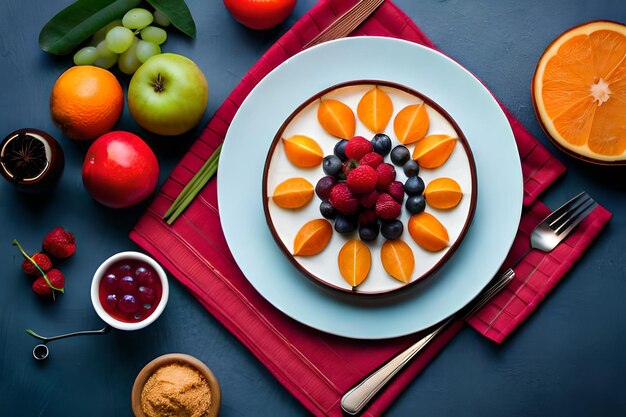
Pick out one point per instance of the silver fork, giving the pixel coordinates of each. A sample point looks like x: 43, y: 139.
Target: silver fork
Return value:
x: 554, y: 228
x: 545, y: 237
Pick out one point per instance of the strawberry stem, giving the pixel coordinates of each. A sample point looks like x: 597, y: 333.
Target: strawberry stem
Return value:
x: 45, y: 277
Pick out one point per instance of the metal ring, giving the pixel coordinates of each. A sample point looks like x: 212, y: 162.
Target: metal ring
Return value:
x: 41, y: 352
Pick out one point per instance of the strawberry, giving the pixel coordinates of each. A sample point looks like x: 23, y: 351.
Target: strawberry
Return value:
x: 357, y: 147
x: 386, y: 207
x: 342, y: 199
x: 396, y: 190
x: 41, y: 287
x: 41, y: 259
x: 367, y: 217
x: 59, y: 243
x: 362, y: 179
x: 368, y: 200
x: 386, y: 175
x: 372, y: 159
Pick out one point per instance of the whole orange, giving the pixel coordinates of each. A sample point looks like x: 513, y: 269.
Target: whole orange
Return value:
x: 86, y: 102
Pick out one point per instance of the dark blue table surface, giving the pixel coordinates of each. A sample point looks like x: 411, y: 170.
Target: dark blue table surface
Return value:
x: 567, y: 359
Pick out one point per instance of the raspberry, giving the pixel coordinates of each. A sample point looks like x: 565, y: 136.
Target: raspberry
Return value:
x: 59, y: 243
x: 357, y: 147
x: 362, y: 179
x: 342, y: 199
x: 368, y: 200
x: 396, y: 190
x: 386, y: 207
x: 367, y: 217
x: 42, y: 260
x: 56, y: 278
x: 372, y: 159
x: 386, y: 175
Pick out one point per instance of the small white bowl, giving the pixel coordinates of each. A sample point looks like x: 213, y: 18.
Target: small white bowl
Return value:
x: 95, y: 285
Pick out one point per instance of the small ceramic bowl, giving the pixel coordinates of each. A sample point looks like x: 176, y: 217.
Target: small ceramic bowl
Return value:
x: 152, y: 366
x: 99, y: 274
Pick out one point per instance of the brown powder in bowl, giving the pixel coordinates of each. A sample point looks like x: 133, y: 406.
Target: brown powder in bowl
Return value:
x: 176, y: 390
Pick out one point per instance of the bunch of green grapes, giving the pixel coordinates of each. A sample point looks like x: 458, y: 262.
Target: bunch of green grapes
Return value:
x: 128, y: 42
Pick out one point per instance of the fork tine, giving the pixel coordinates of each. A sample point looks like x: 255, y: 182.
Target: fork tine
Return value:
x: 561, y: 210
x: 577, y: 216
x: 569, y: 211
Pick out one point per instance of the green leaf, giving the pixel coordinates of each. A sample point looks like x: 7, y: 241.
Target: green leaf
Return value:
x: 78, y: 21
x: 178, y: 13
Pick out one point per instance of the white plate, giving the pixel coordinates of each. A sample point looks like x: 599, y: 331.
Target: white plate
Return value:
x: 285, y: 223
x: 467, y: 101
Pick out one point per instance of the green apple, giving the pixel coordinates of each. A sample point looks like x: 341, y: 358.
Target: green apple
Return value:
x: 168, y: 94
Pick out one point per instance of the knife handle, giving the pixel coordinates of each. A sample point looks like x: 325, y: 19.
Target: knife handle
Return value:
x: 354, y: 400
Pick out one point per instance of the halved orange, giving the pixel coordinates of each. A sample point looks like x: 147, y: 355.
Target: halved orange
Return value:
x: 579, y: 92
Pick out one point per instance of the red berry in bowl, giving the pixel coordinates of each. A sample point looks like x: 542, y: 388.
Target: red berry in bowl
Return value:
x: 128, y: 304
x: 111, y: 301
x: 111, y: 282
x: 146, y: 295
x: 145, y: 276
x: 128, y: 285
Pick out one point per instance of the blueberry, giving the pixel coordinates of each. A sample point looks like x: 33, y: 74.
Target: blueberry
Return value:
x: 345, y: 224
x: 391, y: 229
x: 327, y: 210
x: 332, y: 165
x: 399, y: 155
x: 414, y: 186
x: 340, y: 149
x: 368, y: 232
x: 381, y: 144
x: 324, y: 186
x: 411, y: 168
x: 415, y: 204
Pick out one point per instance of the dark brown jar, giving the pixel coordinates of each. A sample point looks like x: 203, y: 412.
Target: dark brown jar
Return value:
x: 31, y: 160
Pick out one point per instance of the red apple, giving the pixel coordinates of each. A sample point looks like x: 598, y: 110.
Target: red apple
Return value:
x: 120, y: 169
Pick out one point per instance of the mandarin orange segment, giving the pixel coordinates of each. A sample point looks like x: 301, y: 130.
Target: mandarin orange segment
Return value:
x: 411, y: 123
x: 336, y: 118
x: 397, y: 259
x: 579, y: 91
x: 375, y: 110
x: 302, y: 151
x: 428, y: 232
x: 312, y: 238
x: 434, y: 150
x: 354, y: 261
x: 293, y: 193
x: 443, y: 193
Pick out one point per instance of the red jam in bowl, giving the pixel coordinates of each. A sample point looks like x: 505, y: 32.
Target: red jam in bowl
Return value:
x: 130, y: 290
